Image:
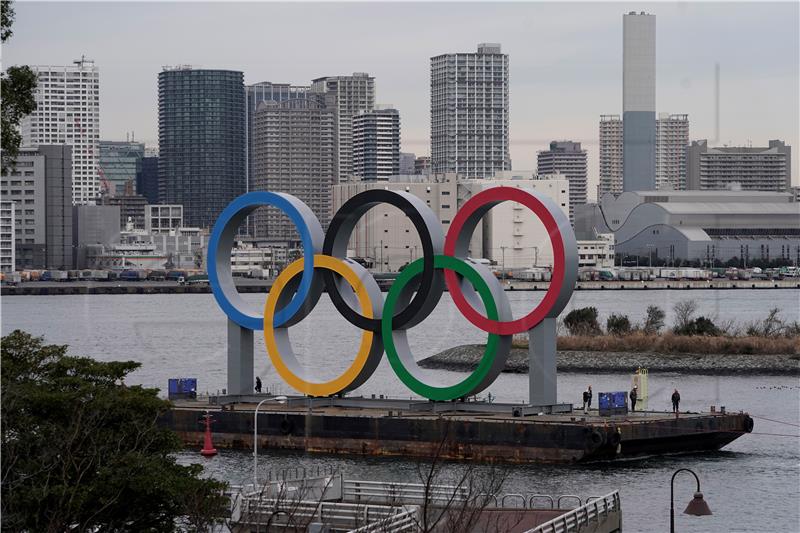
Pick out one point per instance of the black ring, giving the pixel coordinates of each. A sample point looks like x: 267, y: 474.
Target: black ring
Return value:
x: 430, y: 233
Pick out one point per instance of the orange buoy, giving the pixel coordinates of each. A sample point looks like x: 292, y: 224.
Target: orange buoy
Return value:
x: 208, y: 446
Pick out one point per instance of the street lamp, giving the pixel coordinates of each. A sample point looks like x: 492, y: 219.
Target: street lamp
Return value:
x: 650, y: 254
x: 696, y: 507
x: 255, y: 444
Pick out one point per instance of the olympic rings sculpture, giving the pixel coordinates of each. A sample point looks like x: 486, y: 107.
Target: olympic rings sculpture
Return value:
x: 475, y: 291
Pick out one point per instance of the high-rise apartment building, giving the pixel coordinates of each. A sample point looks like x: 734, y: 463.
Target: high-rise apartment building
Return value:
x: 40, y: 186
x: 568, y: 159
x: 469, y: 112
x: 353, y: 94
x: 766, y: 168
x: 294, y: 151
x: 639, y: 102
x: 672, y: 138
x: 376, y: 144
x: 119, y: 164
x: 68, y: 112
x: 610, y: 159
x: 202, y: 144
x: 8, y: 262
x: 266, y: 91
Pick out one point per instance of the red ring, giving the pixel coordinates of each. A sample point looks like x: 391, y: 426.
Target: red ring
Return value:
x: 540, y: 312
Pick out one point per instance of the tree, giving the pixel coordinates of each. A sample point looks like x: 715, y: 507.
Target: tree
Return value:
x: 582, y: 321
x: 18, y: 86
x: 618, y: 325
x: 654, y: 321
x: 84, y: 452
x: 684, y: 314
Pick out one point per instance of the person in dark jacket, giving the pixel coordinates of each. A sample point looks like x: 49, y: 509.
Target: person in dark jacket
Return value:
x: 676, y: 400
x: 587, y: 399
x: 634, y: 395
x: 258, y: 385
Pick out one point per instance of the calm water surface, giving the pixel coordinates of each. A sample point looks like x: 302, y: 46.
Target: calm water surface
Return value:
x: 751, y: 485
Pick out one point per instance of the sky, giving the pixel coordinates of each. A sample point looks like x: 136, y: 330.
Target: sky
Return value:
x: 565, y: 59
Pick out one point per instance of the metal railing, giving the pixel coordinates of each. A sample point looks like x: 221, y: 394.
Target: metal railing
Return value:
x: 594, y: 510
x: 405, y: 521
x: 289, y: 513
x: 400, y: 493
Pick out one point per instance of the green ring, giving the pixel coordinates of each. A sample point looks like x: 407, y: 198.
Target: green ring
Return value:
x: 465, y: 387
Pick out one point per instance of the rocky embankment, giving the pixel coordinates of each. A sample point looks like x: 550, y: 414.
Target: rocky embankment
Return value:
x: 465, y: 358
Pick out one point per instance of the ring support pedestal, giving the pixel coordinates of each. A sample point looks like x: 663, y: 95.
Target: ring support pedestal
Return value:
x: 542, y: 379
x: 240, y: 359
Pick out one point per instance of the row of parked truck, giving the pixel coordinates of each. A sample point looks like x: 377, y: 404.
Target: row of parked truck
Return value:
x: 179, y: 276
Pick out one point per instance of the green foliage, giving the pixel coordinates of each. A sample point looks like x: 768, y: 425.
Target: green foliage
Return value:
x: 618, y: 325
x: 17, y: 90
x: 582, y: 321
x: 82, y: 451
x: 6, y: 20
x: 654, y: 321
x: 699, y: 326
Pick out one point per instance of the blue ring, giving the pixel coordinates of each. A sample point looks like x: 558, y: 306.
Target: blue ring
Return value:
x: 224, y: 233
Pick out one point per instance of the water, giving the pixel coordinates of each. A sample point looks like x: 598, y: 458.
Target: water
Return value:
x: 752, y: 485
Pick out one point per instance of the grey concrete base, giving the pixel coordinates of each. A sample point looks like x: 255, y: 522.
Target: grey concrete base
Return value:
x: 542, y: 363
x: 240, y: 359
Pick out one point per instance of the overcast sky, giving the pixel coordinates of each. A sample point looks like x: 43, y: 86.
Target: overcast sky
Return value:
x: 565, y: 59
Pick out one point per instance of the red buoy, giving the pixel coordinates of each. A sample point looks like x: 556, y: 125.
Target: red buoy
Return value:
x: 208, y: 446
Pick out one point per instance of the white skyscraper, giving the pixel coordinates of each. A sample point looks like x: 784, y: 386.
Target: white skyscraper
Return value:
x: 469, y: 112
x: 68, y: 112
x: 610, y: 159
x: 376, y: 144
x: 354, y: 94
x: 672, y: 138
x: 639, y: 101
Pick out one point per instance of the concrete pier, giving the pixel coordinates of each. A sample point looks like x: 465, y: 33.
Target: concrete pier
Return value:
x: 477, y: 431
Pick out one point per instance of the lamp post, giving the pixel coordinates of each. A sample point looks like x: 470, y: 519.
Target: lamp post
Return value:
x: 255, y: 444
x: 696, y: 507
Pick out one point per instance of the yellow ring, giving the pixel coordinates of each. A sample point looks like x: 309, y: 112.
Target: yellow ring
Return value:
x: 337, y: 384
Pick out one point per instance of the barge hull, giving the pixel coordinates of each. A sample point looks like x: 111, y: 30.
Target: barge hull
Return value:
x: 463, y: 436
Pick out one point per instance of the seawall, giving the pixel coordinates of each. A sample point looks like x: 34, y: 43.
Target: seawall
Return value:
x: 465, y: 358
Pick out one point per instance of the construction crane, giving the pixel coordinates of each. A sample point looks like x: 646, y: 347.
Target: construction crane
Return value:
x: 105, y: 186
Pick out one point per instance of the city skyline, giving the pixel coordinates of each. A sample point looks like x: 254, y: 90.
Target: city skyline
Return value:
x: 562, y: 76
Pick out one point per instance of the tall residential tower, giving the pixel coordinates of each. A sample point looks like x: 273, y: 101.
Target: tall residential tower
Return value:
x: 639, y: 102
x: 294, y: 151
x: 469, y: 112
x: 672, y: 138
x: 201, y: 137
x: 566, y: 158
x: 68, y: 112
x: 376, y: 144
x: 353, y: 94
x: 266, y: 92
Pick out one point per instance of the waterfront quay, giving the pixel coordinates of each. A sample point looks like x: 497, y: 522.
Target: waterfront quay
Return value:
x: 247, y: 285
x: 475, y: 431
